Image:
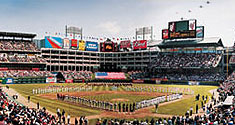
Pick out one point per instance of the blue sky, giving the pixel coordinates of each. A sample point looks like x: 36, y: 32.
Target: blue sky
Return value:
x: 116, y: 18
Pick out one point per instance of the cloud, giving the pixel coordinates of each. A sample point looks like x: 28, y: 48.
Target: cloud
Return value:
x: 110, y: 27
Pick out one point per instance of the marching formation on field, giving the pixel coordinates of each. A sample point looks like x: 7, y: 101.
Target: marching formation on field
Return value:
x: 118, y: 107
x: 61, y: 89
x: 160, y: 89
x: 127, y: 87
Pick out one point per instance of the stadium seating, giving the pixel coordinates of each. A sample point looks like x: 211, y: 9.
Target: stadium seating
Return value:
x: 12, y: 45
x: 77, y: 74
x: 192, y: 76
x: 180, y: 76
x: 137, y: 74
x: 181, y: 60
x: 232, y: 60
x: 23, y: 74
x: 18, y: 59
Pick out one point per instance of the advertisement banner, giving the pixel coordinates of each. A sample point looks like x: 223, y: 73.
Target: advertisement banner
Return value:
x: 108, y: 47
x: 165, y: 34
x: 81, y: 45
x: 91, y: 46
x: 74, y: 44
x: 9, y: 81
x: 192, y: 25
x: 200, y: 32
x: 51, y: 80
x: 66, y: 43
x: 137, y: 81
x: 125, y: 44
x: 140, y: 44
x: 69, y: 80
x: 171, y: 26
x: 53, y: 42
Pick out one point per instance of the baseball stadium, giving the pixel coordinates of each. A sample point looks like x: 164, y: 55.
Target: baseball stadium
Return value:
x: 184, y: 78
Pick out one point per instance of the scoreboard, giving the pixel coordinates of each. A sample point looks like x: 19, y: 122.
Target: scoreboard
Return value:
x: 180, y: 29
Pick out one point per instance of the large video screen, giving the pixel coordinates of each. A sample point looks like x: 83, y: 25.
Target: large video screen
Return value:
x: 181, y: 26
x: 182, y: 29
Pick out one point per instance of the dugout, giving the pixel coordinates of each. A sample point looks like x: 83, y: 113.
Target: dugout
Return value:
x: 59, y: 76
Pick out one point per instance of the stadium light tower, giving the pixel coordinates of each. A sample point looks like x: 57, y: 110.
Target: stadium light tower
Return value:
x: 144, y: 31
x: 73, y: 30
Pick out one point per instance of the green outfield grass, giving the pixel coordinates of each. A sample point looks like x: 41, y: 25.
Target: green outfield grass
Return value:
x: 176, y: 108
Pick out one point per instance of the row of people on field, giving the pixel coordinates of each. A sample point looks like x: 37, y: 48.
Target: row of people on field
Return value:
x: 121, y: 107
x: 64, y: 89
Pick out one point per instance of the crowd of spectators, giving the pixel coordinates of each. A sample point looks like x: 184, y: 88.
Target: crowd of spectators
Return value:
x: 77, y: 74
x: 12, y: 113
x: 179, y: 76
x: 229, y: 84
x: 137, y: 74
x: 205, y: 76
x: 15, y: 58
x: 15, y: 114
x: 24, y: 73
x: 13, y: 45
x: 180, y: 60
x: 232, y: 60
x: 31, y: 73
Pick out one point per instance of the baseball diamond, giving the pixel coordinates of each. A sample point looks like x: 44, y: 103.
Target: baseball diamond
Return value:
x: 109, y: 62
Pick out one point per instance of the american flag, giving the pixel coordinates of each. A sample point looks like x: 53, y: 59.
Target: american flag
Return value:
x: 110, y: 75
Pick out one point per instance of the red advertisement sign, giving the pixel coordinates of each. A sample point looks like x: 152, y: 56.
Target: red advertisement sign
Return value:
x: 69, y: 80
x: 165, y: 34
x: 74, y: 43
x: 140, y: 44
x: 51, y: 80
x: 125, y: 44
x: 137, y: 81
